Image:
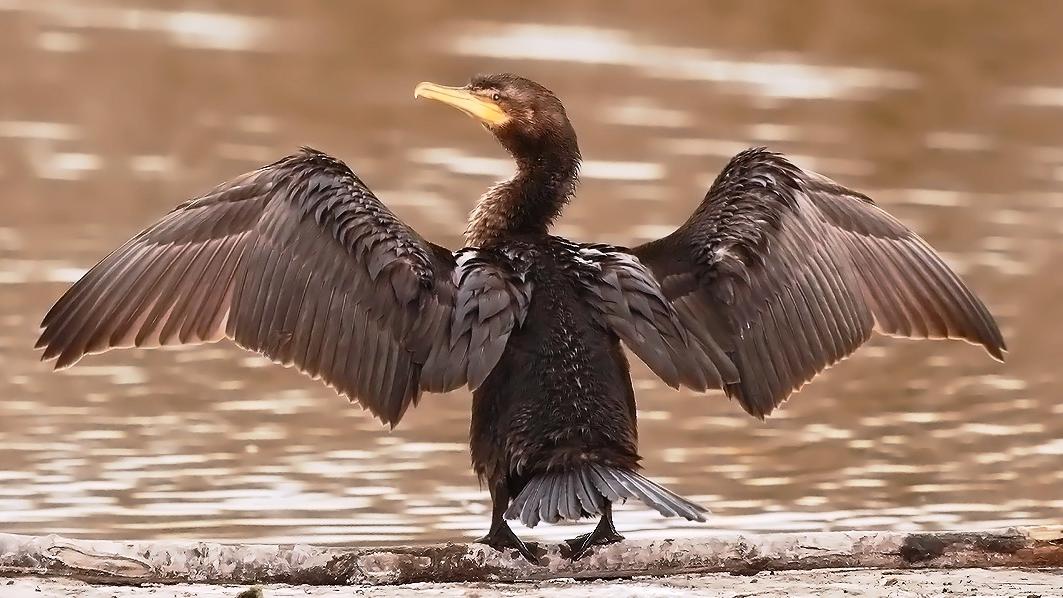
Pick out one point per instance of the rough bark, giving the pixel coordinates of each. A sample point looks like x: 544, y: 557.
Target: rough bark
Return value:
x: 104, y: 561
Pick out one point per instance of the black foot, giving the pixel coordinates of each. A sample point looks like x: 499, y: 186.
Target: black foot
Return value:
x: 502, y: 537
x: 601, y: 536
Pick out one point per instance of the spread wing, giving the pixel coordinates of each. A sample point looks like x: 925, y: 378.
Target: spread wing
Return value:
x: 300, y: 261
x: 790, y: 272
x: 628, y: 300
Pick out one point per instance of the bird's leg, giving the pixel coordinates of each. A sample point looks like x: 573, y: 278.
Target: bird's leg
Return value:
x: 500, y: 537
x: 603, y: 535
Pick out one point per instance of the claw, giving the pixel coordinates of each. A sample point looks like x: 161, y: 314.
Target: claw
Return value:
x: 603, y: 535
x: 502, y: 537
x: 581, y: 544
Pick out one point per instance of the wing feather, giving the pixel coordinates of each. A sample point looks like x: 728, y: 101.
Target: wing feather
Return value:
x: 299, y: 261
x: 790, y: 272
x: 632, y: 304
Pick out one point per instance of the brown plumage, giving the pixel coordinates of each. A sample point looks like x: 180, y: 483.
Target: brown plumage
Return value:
x: 778, y: 274
x: 791, y: 272
x: 301, y: 262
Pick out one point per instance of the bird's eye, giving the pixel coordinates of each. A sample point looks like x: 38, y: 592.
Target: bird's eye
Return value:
x: 496, y: 96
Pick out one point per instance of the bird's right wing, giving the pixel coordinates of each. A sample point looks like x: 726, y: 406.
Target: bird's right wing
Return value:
x: 790, y: 272
x: 300, y: 261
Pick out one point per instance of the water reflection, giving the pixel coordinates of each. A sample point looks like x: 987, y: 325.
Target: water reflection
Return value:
x: 185, y: 28
x: 457, y: 162
x: 764, y: 77
x: 959, y: 139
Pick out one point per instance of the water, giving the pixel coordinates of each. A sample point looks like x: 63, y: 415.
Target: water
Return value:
x: 950, y: 115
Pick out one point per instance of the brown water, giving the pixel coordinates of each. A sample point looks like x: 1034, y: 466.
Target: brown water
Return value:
x: 111, y: 112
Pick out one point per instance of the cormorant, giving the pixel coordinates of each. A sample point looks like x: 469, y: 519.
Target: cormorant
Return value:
x: 778, y: 274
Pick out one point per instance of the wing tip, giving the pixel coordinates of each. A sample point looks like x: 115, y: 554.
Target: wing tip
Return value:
x: 59, y: 355
x: 998, y: 351
x: 759, y: 407
x: 996, y: 346
x: 52, y: 359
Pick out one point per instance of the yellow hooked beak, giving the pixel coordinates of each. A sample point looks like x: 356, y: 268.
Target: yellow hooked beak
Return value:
x: 462, y: 99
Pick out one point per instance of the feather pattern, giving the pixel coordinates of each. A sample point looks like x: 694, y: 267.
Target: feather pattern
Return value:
x: 300, y: 261
x: 629, y: 302
x: 581, y: 492
x: 790, y: 272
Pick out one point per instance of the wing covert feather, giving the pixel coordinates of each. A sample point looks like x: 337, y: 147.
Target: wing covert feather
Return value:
x: 630, y: 302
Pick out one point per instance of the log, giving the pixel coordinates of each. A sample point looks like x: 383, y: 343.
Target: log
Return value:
x: 168, y: 562
x: 822, y: 583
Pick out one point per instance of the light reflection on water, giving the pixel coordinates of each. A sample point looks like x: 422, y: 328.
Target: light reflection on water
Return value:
x: 186, y: 28
x: 958, y: 139
x: 766, y: 78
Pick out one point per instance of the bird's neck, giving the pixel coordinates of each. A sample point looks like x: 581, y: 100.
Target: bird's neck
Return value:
x: 526, y: 203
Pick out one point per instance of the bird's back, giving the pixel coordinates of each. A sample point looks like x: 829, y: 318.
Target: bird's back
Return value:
x: 561, y: 393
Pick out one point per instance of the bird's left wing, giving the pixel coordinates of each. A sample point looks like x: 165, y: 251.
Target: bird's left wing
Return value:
x: 301, y: 262
x: 790, y: 272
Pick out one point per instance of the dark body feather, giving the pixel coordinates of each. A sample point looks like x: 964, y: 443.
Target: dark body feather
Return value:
x: 561, y: 362
x: 554, y: 425
x: 777, y: 274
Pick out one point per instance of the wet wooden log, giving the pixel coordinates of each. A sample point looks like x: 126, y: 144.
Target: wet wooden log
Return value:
x: 105, y: 561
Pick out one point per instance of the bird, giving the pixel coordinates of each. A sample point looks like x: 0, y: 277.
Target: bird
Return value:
x: 777, y: 274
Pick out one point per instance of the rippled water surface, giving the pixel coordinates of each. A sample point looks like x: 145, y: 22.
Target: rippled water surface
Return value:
x: 950, y: 114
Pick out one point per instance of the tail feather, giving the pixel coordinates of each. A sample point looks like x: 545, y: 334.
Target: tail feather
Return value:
x: 529, y: 508
x: 584, y: 492
x: 570, y: 508
x: 634, y: 489
x: 590, y: 501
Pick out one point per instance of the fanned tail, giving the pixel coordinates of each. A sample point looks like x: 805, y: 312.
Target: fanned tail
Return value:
x: 583, y: 492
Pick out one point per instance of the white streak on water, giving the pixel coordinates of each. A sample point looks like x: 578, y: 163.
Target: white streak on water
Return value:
x: 64, y: 166
x: 721, y: 148
x: 60, y: 41
x: 934, y: 197
x: 622, y: 171
x: 212, y: 31
x: 1044, y: 96
x: 64, y: 274
x: 459, y: 162
x: 642, y: 113
x: 790, y: 79
x: 186, y: 28
x: 1053, y: 447
x: 151, y: 164
x: 119, y: 374
x: 774, y: 132
x: 29, y: 129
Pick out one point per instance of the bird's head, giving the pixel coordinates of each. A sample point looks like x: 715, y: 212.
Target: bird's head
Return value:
x: 525, y: 117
